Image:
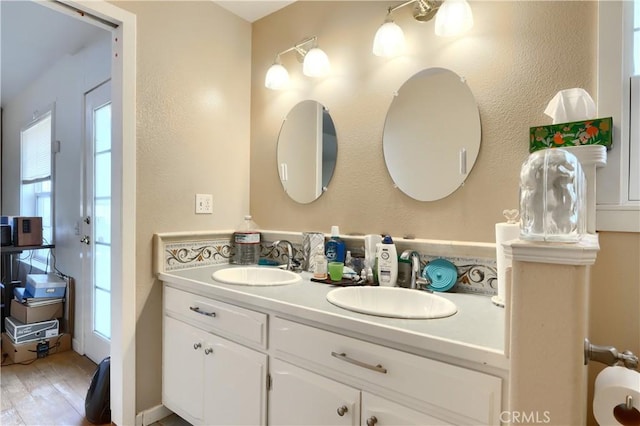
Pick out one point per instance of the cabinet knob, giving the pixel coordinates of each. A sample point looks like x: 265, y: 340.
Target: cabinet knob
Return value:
x: 342, y: 410
x: 197, y: 346
x: 208, y: 351
x: 371, y: 421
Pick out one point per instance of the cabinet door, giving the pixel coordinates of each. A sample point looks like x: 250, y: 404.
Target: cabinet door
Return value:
x: 299, y: 397
x: 235, y: 384
x: 182, y: 368
x: 377, y: 411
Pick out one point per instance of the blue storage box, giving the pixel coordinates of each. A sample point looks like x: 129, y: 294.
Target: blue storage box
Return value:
x: 21, y: 294
x: 45, y: 285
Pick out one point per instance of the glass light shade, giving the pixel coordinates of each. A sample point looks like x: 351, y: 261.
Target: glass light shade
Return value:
x: 277, y: 77
x: 389, y: 40
x: 454, y: 18
x: 316, y: 63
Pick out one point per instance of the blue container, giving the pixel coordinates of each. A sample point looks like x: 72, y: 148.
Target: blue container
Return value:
x: 45, y: 285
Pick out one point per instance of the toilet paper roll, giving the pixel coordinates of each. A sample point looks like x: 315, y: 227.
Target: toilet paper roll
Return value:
x: 611, y: 389
x: 504, y: 232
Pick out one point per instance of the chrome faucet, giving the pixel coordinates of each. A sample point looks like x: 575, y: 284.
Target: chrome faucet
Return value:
x: 287, y: 243
x: 414, y: 256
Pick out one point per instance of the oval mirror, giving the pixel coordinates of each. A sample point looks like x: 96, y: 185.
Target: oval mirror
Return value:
x: 431, y: 134
x: 307, y: 151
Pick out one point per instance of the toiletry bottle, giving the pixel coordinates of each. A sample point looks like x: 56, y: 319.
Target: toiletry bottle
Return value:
x: 348, y: 260
x: 246, y: 242
x: 335, y: 249
x: 387, y: 263
x: 320, y: 266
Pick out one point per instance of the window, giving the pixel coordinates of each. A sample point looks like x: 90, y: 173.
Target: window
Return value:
x: 634, y: 117
x: 618, y: 184
x: 36, y: 193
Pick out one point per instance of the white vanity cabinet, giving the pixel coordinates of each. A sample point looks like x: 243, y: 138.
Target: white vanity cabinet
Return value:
x: 378, y: 411
x: 441, y: 393
x: 216, y: 366
x: 300, y: 397
x: 208, y: 379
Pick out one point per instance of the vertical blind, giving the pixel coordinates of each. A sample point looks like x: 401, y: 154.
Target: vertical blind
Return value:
x: 36, y: 151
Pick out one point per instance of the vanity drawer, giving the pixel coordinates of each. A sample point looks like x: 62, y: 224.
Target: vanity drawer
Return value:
x: 474, y: 395
x: 234, y: 322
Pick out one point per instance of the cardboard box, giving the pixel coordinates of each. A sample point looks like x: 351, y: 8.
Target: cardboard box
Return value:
x: 45, y: 285
x: 22, y: 352
x: 27, y: 231
x: 575, y: 133
x: 20, y: 333
x: 31, y: 314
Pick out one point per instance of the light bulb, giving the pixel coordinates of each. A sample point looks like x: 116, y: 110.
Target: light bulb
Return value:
x: 454, y: 18
x: 389, y: 40
x: 277, y: 77
x: 316, y: 63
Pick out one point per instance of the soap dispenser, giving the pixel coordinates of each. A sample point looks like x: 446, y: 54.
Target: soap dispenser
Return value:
x: 387, y: 263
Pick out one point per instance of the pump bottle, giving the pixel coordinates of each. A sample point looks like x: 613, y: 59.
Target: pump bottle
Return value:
x: 387, y: 263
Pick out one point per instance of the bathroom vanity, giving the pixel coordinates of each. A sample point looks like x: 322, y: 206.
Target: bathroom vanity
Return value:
x: 276, y: 355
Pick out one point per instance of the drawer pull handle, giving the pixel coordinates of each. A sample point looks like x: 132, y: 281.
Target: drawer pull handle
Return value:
x: 371, y: 421
x: 342, y: 410
x: 198, y: 311
x: 344, y: 357
x: 197, y: 346
x: 208, y: 351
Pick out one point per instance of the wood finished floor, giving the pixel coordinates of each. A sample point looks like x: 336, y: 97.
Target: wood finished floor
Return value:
x: 51, y: 392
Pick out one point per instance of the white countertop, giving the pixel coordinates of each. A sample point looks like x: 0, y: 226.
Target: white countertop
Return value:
x: 475, y: 335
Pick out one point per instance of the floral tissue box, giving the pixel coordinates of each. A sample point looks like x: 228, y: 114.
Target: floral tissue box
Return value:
x: 576, y: 133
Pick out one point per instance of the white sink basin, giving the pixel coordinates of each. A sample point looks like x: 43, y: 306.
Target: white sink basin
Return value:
x: 393, y: 302
x: 256, y: 276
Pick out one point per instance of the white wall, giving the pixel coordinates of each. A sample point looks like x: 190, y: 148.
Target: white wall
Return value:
x: 64, y: 85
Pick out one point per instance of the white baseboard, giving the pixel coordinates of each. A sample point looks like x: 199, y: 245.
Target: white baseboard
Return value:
x: 152, y: 415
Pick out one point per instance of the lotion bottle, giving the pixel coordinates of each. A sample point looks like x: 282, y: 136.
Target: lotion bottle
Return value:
x: 387, y: 263
x: 320, y: 269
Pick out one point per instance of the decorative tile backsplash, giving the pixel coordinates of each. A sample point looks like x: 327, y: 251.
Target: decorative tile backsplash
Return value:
x: 475, y: 274
x: 192, y: 254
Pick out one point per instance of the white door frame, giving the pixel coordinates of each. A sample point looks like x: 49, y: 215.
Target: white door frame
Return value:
x: 123, y: 185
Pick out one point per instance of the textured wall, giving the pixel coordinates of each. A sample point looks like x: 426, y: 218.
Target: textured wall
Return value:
x: 193, y: 96
x: 513, y: 63
x: 517, y: 56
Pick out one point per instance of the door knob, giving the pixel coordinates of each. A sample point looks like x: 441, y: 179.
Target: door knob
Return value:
x: 87, y: 220
x: 86, y: 240
x: 371, y: 421
x: 208, y: 351
x: 342, y: 410
x: 197, y: 346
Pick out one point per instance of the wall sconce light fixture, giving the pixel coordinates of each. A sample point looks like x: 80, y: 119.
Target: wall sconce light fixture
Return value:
x: 453, y: 17
x: 315, y: 63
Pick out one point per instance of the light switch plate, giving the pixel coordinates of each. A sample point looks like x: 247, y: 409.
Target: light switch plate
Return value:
x: 204, y: 204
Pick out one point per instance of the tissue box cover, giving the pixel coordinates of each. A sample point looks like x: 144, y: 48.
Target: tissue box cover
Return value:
x: 575, y: 133
x: 45, y: 285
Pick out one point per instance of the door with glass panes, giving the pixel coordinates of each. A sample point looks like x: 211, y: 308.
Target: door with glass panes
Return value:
x: 97, y: 223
